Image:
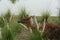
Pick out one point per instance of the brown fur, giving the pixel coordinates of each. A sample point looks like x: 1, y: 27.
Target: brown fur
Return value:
x: 52, y: 31
x: 26, y: 21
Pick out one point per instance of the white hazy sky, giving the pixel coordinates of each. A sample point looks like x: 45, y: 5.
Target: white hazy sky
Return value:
x: 33, y: 7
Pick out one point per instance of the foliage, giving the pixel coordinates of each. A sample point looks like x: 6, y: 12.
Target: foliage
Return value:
x: 1, y: 22
x: 10, y: 31
x: 36, y: 35
x: 15, y: 28
x: 6, y: 34
x: 45, y: 16
x: 22, y: 14
x: 7, y: 16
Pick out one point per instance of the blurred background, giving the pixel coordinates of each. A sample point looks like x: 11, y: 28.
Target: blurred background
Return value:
x: 33, y: 7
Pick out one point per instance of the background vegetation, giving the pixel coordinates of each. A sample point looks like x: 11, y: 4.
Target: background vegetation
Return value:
x: 10, y: 27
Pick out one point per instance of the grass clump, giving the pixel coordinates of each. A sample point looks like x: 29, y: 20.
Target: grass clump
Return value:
x: 10, y: 27
x: 15, y: 28
x: 36, y: 35
x: 7, y: 16
x: 22, y: 14
x: 6, y: 34
x: 45, y: 16
x: 1, y: 22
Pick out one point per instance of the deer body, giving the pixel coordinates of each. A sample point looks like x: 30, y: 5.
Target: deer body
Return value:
x: 52, y: 31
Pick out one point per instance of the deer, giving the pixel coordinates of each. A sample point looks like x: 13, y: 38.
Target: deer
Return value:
x: 27, y: 22
x: 51, y: 31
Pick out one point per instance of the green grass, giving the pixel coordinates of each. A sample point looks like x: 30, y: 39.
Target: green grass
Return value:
x: 36, y: 35
x: 15, y: 28
x: 7, y: 34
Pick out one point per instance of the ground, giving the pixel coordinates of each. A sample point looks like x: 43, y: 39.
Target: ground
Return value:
x: 24, y: 35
